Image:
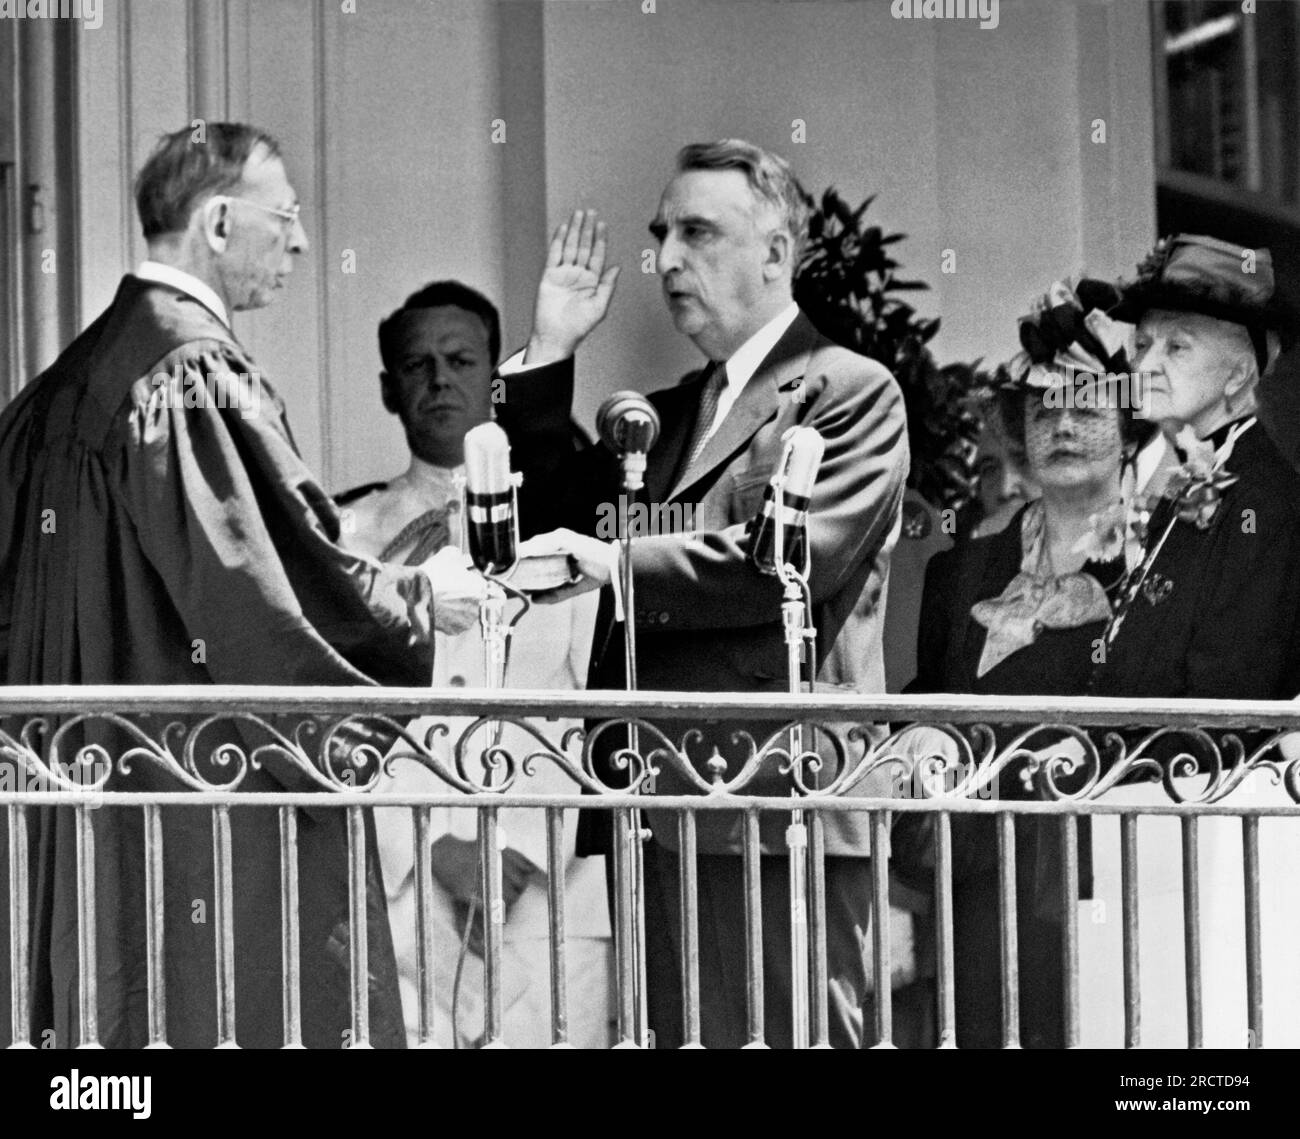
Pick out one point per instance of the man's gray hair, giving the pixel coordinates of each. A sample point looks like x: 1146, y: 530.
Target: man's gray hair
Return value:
x: 769, y: 176
x: 189, y: 166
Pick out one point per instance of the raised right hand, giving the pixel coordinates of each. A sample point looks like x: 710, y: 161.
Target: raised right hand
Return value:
x: 574, y: 292
x: 457, y: 590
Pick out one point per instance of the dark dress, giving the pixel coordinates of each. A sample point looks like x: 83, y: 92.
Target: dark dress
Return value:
x: 1218, y: 617
x: 949, y: 644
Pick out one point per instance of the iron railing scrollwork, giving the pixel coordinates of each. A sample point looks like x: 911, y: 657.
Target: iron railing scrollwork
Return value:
x: 880, y: 755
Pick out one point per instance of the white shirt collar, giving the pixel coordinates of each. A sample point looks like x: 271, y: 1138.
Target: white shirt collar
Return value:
x: 162, y: 274
x: 745, y: 360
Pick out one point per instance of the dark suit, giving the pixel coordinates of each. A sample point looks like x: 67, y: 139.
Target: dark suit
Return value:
x: 708, y: 621
x: 1219, y: 616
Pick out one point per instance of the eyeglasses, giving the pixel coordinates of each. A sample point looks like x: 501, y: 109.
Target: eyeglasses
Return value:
x: 292, y: 215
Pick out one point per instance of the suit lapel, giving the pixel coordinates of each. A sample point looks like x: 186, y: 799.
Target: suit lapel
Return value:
x: 757, y: 403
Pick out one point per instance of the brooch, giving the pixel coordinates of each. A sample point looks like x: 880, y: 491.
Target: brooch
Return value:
x: 1157, y: 588
x: 916, y: 520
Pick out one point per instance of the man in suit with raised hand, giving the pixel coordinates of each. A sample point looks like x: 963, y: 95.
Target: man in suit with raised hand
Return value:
x: 729, y: 226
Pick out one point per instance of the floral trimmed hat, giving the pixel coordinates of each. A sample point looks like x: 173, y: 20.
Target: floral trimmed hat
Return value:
x: 1193, y: 273
x: 1069, y: 337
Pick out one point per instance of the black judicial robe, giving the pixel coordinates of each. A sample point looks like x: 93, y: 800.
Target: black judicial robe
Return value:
x: 144, y: 541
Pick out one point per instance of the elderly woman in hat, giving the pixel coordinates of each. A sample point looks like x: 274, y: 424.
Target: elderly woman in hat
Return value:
x: 1215, y: 612
x: 1021, y: 612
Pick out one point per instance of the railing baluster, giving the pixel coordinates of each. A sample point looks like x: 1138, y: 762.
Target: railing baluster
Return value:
x: 754, y: 932
x: 1009, y: 930
x: 290, y: 961
x: 155, y: 935
x: 422, y: 820
x: 87, y: 957
x: 1128, y: 853
x: 555, y: 862
x: 20, y: 1028
x: 881, y: 964
x: 640, y: 835
x: 690, y: 924
x: 821, y: 1020
x: 796, y: 840
x: 625, y: 958
x: 493, y: 925
x: 1254, y: 963
x: 1192, y: 927
x: 359, y: 934
x: 943, y: 931
x: 1070, y: 925
x: 223, y: 904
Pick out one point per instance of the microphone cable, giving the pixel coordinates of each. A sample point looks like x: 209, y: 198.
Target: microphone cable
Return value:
x: 474, y: 907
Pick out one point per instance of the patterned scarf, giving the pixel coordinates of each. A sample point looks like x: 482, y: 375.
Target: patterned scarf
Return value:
x: 1035, y: 599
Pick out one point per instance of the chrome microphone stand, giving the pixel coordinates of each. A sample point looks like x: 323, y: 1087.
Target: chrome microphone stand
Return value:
x: 496, y: 632
x: 800, y: 644
x: 629, y: 426
x: 630, y: 832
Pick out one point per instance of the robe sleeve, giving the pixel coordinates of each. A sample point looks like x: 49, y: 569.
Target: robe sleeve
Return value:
x: 245, y: 540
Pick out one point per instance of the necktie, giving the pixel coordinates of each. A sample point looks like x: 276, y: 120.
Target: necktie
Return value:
x: 709, y: 398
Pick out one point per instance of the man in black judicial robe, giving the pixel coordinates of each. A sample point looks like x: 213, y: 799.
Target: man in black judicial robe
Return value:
x: 158, y: 526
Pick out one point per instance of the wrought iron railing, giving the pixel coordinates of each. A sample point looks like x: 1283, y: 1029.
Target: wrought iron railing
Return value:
x: 206, y: 742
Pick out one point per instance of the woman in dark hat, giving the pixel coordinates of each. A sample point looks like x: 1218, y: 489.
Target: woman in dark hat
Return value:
x: 1021, y: 612
x: 1217, y: 610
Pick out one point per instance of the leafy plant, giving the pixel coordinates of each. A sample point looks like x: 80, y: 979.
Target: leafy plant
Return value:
x: 847, y: 284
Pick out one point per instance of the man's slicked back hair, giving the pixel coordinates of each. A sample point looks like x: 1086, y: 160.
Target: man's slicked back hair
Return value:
x: 436, y: 295
x: 769, y: 176
x: 181, y: 172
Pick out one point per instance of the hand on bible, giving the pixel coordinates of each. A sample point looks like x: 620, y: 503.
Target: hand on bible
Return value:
x: 595, y: 560
x: 457, y: 590
x: 574, y: 292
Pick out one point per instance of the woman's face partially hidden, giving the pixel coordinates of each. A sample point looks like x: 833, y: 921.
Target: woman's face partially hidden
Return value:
x: 1071, y: 446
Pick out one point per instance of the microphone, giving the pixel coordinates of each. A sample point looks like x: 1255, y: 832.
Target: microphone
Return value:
x: 794, y: 477
x: 489, y: 499
x: 629, y: 426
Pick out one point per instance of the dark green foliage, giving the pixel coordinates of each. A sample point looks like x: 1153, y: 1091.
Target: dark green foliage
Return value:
x: 846, y: 283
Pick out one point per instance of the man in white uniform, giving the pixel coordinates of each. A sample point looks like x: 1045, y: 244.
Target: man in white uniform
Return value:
x: 438, y: 352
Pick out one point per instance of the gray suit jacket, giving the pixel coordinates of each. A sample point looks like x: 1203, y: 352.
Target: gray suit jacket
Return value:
x: 707, y: 620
